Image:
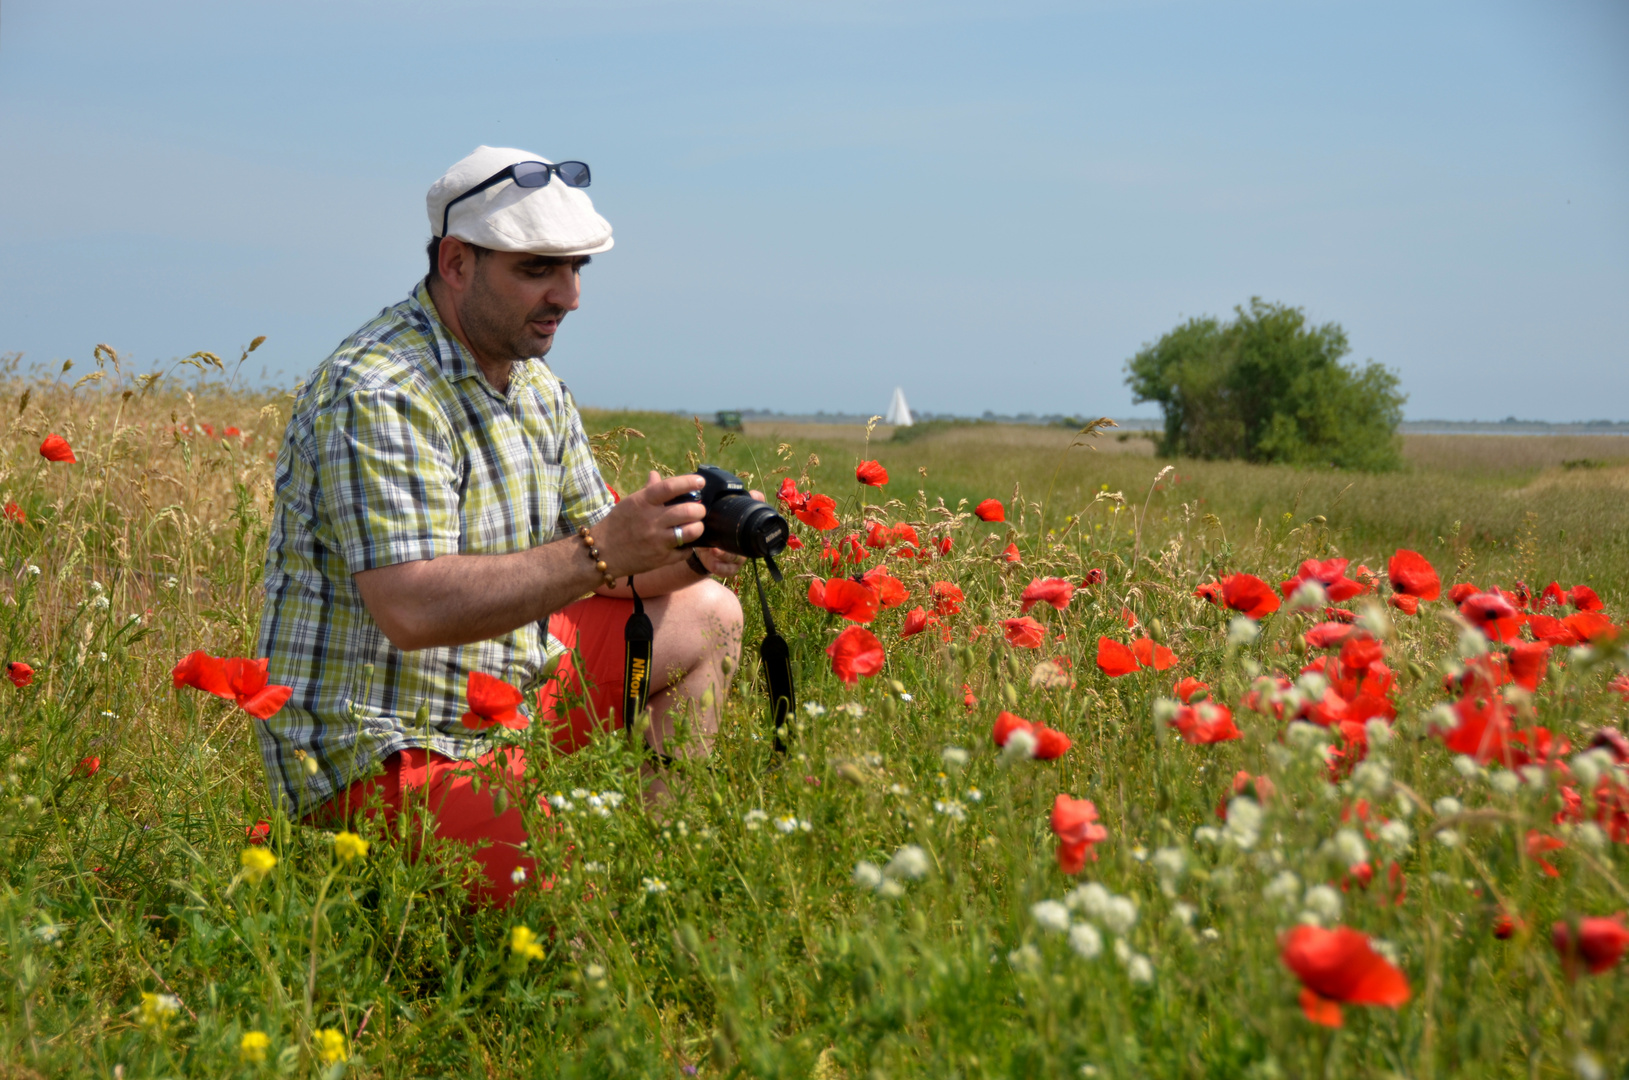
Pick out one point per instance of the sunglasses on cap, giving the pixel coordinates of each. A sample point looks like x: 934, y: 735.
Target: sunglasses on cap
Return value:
x: 526, y: 174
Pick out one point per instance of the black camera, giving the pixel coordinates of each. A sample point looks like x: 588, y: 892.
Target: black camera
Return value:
x: 735, y: 521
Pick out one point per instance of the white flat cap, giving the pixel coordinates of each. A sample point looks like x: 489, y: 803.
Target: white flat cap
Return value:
x: 555, y: 219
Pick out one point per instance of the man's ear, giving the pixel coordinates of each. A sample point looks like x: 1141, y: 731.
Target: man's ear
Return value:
x: 455, y: 261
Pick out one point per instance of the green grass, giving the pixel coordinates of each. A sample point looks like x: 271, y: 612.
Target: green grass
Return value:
x: 704, y: 936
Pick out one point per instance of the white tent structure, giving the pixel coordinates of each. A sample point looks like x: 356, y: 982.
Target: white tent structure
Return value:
x: 899, y: 413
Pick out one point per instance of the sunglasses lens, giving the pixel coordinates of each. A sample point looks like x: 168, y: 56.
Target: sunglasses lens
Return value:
x: 531, y: 174
x: 574, y: 173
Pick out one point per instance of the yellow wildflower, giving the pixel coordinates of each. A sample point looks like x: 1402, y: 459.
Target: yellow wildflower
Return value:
x: 158, y: 1009
x: 331, y: 1041
x: 523, y: 943
x: 257, y: 863
x: 252, y: 1050
x: 348, y: 846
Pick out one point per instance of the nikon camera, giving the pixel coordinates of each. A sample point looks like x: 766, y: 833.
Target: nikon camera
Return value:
x: 735, y: 521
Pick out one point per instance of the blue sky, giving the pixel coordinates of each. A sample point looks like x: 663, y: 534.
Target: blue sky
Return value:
x: 993, y: 205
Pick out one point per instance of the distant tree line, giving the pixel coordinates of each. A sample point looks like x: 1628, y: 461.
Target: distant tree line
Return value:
x: 1268, y: 387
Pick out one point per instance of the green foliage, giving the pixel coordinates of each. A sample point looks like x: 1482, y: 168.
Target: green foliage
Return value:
x: 1267, y: 387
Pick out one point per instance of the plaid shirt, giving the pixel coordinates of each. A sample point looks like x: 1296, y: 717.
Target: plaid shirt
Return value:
x: 399, y: 449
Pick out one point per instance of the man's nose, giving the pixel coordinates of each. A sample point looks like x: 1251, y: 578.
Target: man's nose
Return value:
x: 565, y: 288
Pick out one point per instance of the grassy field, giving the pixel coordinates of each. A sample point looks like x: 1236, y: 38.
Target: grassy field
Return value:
x: 885, y: 899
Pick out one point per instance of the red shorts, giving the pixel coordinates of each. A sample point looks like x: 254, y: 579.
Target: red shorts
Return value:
x: 441, y: 786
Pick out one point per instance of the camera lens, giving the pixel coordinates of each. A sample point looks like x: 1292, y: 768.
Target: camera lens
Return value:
x: 747, y: 527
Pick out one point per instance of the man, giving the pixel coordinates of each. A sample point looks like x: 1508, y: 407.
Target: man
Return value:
x: 430, y: 493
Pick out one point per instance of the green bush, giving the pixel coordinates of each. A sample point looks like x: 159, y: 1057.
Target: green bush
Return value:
x: 1267, y: 387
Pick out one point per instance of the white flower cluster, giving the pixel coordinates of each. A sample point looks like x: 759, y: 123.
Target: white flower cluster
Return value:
x: 1243, y: 827
x: 598, y: 803
x: 1116, y: 914
x: 954, y: 809
x: 910, y: 863
x: 789, y: 823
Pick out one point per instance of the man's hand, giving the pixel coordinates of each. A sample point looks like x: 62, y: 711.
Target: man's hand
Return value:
x: 721, y: 562
x: 637, y: 536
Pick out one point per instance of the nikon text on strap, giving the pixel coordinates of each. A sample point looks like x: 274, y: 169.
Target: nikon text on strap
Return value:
x: 637, y: 637
x: 777, y: 661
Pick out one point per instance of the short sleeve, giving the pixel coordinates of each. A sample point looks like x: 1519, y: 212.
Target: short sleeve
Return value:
x: 585, y: 499
x: 388, y: 480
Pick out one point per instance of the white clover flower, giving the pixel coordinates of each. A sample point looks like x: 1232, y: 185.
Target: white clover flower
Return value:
x: 100, y: 603
x: 1589, y: 766
x: 951, y: 808
x: 954, y: 757
x: 1284, y: 887
x: 1166, y: 709
x: 867, y: 875
x: 1449, y: 838
x: 1534, y: 776
x: 1591, y: 836
x: 853, y: 708
x: 1395, y: 835
x: 1171, y: 862
x: 1472, y: 643
x: 1140, y: 970
x: 1466, y: 766
x: 654, y: 885
x: 1119, y: 915
x: 1207, y: 834
x: 1243, y: 821
x: 754, y: 818
x: 891, y: 889
x: 1378, y: 733
x: 1242, y: 630
x: 1050, y: 915
x: 1324, y: 901
x: 1448, y: 806
x: 1122, y: 951
x: 34, y: 571
x: 97, y: 587
x: 1091, y: 898
x: 593, y: 868
x: 1373, y: 618
x: 1086, y: 941
x: 1025, y: 958
x: 814, y: 708
x: 898, y: 789
x: 909, y: 861
x: 1020, y: 747
x: 1581, y: 654
x: 1311, y: 596
x: 1372, y: 778
x: 1185, y: 913
x: 1588, y: 1066
x: 1306, y: 737
x: 1210, y: 933
x: 1313, y: 684
x: 1505, y: 782
x: 134, y: 619
x: 1350, y: 847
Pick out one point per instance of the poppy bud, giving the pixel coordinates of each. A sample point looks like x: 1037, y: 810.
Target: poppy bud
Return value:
x: 1009, y: 694
x: 889, y: 709
x: 1156, y: 630
x: 500, y: 803
x: 896, y: 686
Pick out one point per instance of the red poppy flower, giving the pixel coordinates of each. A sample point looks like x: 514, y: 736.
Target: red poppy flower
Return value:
x: 1025, y: 632
x: 1540, y: 845
x: 1054, y: 591
x: 818, y: 512
x: 1049, y: 744
x: 1327, y: 634
x: 15, y: 513
x: 1412, y: 575
x: 916, y: 621
x: 794, y: 544
x: 203, y: 672
x: 1128, y: 617
x: 88, y: 767
x: 1483, y: 730
x: 1152, y: 655
x: 1249, y: 595
x: 492, y: 701
x: 258, y: 832
x: 1210, y: 592
x: 1094, y: 576
x: 1538, y: 746
x: 871, y: 473
x: 947, y: 597
x: 890, y: 590
x: 1505, y: 926
x: 789, y: 495
x: 856, y: 652
x: 1529, y: 663
x: 1010, y: 553
x: 853, y: 600
x: 906, y: 532
x: 1583, y: 598
x: 1552, y: 594
x: 1599, y: 943
x: 1339, y: 966
x: 944, y: 545
x: 1205, y: 722
x: 852, y: 549
x: 1551, y: 631
x: 231, y: 433
x: 1408, y: 605
x: 878, y: 535
x: 1331, y: 574
x: 19, y: 673
x: 1461, y: 592
x: 1493, y: 614
x: 1359, y: 651
x: 991, y: 510
x: 1189, y: 688
x: 56, y: 448
x: 1115, y: 659
x: 1335, y: 614
x: 1591, y: 626
x: 247, y: 681
x: 1074, y: 823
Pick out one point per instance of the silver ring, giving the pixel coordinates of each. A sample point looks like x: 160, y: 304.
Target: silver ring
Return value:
x: 678, y: 536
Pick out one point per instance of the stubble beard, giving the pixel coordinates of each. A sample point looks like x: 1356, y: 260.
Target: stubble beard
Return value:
x: 496, y: 330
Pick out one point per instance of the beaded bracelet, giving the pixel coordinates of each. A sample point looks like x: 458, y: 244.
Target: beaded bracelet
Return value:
x: 599, y: 563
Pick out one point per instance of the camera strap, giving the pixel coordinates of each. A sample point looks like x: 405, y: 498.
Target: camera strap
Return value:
x: 638, y: 637
x: 777, y: 662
